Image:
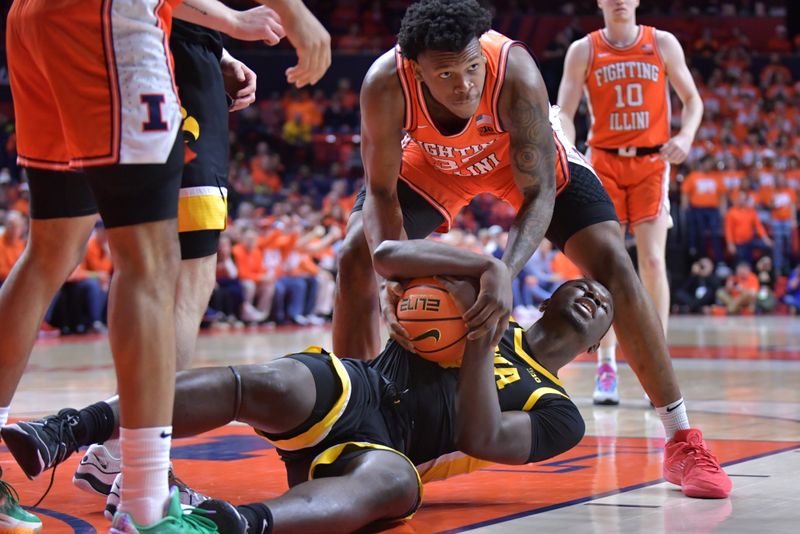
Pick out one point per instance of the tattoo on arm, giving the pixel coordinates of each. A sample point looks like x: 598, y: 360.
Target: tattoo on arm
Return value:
x: 533, y: 159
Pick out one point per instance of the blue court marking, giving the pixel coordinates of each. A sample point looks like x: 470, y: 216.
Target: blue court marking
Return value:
x: 79, y: 526
x: 567, y: 465
x: 223, y: 449
x: 580, y: 500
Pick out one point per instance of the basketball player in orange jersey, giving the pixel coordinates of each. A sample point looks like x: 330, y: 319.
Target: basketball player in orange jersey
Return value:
x: 625, y: 69
x: 456, y: 110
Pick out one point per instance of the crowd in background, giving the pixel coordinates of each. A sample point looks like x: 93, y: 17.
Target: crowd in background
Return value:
x: 295, y: 172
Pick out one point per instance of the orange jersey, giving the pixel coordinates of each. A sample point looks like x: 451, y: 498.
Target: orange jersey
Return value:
x: 782, y: 201
x: 449, y: 170
x: 628, y: 92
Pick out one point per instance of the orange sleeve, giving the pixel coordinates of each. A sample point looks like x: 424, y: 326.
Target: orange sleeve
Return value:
x: 729, y: 223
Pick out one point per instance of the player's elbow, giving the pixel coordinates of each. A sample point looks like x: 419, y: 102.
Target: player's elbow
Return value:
x: 475, y: 441
x: 385, y: 258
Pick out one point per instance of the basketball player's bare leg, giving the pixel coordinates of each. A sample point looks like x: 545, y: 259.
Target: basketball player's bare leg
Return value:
x: 651, y: 242
x: 54, y: 249
x: 356, y: 325
x: 195, y: 284
x: 599, y: 250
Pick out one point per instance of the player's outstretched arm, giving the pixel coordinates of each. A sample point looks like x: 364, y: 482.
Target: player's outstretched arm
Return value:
x: 414, y: 258
x: 257, y: 24
x: 572, y: 80
x: 308, y: 36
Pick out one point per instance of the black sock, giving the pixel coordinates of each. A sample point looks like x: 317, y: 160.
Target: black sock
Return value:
x: 93, y: 424
x: 258, y: 516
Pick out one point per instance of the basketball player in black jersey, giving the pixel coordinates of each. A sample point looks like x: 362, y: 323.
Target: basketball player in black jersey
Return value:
x: 359, y: 439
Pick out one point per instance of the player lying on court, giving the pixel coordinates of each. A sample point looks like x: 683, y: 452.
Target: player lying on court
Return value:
x: 358, y: 439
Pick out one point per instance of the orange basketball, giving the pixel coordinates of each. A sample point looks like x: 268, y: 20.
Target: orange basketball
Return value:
x: 432, y: 320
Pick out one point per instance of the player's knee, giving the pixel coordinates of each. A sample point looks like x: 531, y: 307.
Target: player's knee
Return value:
x: 354, y: 258
x: 399, y: 490
x: 652, y: 262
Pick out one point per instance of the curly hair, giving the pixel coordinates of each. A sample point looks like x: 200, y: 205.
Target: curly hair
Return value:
x: 443, y: 25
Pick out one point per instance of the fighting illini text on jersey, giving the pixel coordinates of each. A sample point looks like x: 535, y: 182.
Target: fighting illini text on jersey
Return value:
x: 473, y: 161
x: 628, y: 92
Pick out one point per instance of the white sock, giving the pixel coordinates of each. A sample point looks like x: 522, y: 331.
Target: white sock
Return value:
x: 145, y: 465
x: 673, y: 417
x: 4, y: 415
x: 112, y: 446
x: 608, y: 355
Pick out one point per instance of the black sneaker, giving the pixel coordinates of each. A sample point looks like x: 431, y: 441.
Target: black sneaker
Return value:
x: 41, y: 444
x: 224, y: 515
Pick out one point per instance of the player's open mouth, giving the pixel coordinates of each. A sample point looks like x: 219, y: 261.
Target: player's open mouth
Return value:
x: 586, y: 305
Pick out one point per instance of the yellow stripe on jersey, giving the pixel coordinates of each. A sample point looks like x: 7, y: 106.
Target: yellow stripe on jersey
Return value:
x: 529, y: 360
x: 329, y: 456
x: 202, y: 208
x: 450, y: 465
x: 319, y: 431
x: 537, y: 394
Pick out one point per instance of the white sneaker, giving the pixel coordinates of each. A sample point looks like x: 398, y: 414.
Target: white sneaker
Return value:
x: 97, y: 471
x: 189, y: 498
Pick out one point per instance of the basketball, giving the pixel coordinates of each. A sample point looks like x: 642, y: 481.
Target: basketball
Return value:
x: 430, y: 316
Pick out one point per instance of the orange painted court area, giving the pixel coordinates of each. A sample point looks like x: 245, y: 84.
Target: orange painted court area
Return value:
x: 234, y: 464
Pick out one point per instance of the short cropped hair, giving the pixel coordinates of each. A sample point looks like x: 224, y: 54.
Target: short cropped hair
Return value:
x: 442, y: 25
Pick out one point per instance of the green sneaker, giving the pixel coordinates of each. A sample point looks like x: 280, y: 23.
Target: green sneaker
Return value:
x: 175, y: 521
x: 13, y: 519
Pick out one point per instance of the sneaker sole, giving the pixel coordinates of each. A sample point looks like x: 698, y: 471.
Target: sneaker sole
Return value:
x: 19, y: 443
x: 704, y: 493
x: 90, y: 484
x: 605, y: 402
x: 13, y: 526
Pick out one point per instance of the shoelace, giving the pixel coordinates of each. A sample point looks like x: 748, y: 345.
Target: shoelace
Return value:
x: 8, y: 491
x: 702, y: 456
x: 606, y: 381
x: 60, y: 431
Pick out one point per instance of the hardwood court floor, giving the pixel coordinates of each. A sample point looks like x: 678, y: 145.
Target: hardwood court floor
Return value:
x: 741, y: 379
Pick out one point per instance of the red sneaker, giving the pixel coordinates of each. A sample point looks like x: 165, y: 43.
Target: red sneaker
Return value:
x: 689, y: 464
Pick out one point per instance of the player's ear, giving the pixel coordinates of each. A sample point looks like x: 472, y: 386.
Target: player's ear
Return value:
x: 593, y: 348
x: 543, y: 305
x: 417, y: 70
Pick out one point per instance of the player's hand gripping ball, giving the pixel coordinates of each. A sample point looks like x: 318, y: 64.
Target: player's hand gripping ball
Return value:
x: 434, y: 324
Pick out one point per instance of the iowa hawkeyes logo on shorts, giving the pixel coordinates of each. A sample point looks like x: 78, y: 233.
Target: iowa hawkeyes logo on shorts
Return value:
x: 434, y: 333
x: 190, y: 125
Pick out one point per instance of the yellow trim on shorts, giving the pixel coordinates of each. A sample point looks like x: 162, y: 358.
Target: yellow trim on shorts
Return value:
x: 450, y: 465
x: 202, y: 208
x: 319, y: 431
x: 537, y: 394
x: 329, y: 456
x: 529, y: 360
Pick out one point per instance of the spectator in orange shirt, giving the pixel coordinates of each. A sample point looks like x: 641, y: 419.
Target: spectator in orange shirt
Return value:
x: 740, y: 291
x: 783, y: 221
x: 741, y: 226
x: 563, y: 267
x: 779, y: 42
x: 12, y: 243
x: 702, y: 197
x: 249, y: 261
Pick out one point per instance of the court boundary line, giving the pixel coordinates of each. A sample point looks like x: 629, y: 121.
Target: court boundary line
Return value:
x: 519, y: 515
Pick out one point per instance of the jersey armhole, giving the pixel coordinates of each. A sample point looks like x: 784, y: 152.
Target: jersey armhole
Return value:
x: 657, y: 48
x: 590, y: 63
x: 502, y: 63
x: 409, y: 122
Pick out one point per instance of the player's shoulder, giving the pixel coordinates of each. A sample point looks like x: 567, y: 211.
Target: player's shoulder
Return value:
x: 666, y: 41
x: 579, y: 52
x: 382, y: 74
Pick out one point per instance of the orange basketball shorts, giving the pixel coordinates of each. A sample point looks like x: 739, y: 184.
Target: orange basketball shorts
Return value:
x: 92, y: 82
x: 637, y: 186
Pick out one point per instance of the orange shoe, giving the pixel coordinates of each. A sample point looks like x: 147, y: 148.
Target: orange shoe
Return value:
x: 689, y: 464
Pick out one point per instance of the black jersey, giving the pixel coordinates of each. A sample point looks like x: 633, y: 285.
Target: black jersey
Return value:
x: 429, y: 393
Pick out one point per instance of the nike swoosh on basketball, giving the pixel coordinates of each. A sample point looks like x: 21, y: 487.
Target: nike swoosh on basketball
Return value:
x: 674, y: 407
x: 434, y: 333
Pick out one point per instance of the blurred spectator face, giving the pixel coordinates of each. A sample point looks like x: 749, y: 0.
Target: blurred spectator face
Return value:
x: 249, y: 239
x: 15, y: 225
x: 245, y: 211
x: 742, y: 199
x: 743, y: 269
x: 780, y: 180
x: 764, y: 264
x: 705, y: 267
x: 262, y: 148
x: 545, y: 246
